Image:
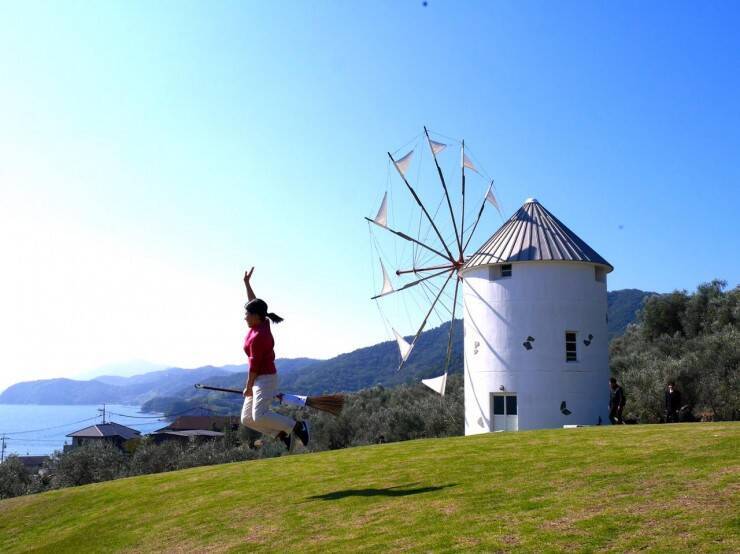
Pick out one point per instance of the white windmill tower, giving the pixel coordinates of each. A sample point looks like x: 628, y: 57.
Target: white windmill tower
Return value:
x: 535, y: 311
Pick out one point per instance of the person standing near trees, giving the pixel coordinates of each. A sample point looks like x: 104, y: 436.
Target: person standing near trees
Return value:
x: 616, y: 402
x: 262, y: 380
x: 672, y: 403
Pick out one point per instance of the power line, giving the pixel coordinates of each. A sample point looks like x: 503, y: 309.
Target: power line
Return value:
x: 50, y: 428
x: 11, y: 435
x: 30, y: 440
x: 137, y: 417
x: 165, y: 416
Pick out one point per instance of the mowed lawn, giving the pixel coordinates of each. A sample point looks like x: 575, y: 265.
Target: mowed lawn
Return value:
x: 660, y: 488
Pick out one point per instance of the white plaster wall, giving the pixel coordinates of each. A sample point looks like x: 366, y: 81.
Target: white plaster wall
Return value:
x: 542, y: 300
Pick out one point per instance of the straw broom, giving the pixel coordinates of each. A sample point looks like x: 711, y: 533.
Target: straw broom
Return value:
x: 330, y: 403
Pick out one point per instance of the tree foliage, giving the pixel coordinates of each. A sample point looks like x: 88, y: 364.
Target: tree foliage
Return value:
x: 400, y: 413
x: 691, y: 339
x: 14, y: 478
x: 85, y: 464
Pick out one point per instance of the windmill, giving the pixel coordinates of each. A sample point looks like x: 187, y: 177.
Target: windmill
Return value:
x: 438, y: 246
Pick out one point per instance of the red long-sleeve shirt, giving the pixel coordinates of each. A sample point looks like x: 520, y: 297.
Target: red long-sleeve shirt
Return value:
x: 259, y: 348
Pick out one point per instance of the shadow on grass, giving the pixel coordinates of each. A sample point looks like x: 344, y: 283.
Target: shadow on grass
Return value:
x: 398, y: 490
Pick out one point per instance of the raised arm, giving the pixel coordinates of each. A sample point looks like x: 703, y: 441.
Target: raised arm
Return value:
x: 247, y: 277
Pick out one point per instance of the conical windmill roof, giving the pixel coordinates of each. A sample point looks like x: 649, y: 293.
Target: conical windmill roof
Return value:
x: 534, y: 234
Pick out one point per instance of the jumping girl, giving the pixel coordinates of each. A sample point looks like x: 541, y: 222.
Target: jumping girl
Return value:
x: 262, y: 381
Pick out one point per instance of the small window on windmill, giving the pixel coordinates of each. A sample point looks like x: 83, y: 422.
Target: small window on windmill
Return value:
x: 570, y: 346
x: 600, y: 274
x: 499, y: 272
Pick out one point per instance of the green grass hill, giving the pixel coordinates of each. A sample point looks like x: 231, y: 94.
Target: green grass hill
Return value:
x: 649, y: 488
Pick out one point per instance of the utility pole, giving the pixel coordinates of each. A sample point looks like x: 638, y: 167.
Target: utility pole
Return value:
x: 2, y: 449
x: 102, y: 411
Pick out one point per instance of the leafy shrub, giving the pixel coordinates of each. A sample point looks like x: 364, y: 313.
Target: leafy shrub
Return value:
x: 14, y: 478
x: 90, y: 463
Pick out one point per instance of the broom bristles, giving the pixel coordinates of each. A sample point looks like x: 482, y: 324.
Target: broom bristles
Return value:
x: 331, y: 403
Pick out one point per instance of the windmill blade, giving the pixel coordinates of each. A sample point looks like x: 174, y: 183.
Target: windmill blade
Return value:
x: 423, y: 269
x: 452, y: 326
x: 437, y: 384
x: 421, y: 205
x: 381, y: 218
x: 403, y: 346
x: 469, y: 164
x: 462, y: 186
x: 408, y: 238
x: 411, y: 284
x: 489, y: 197
x: 426, y: 318
x: 492, y: 198
x: 387, y: 285
x: 402, y: 164
x: 438, y: 147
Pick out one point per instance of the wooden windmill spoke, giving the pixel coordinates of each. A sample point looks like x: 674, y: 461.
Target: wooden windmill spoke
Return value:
x: 477, y: 219
x: 429, y: 295
x: 413, y: 283
x: 452, y: 325
x: 434, y: 288
x: 426, y: 317
x: 408, y: 238
x: 462, y: 185
x: 447, y: 196
x: 423, y: 269
x: 423, y: 208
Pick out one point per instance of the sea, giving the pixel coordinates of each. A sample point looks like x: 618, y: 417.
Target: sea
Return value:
x: 37, y: 430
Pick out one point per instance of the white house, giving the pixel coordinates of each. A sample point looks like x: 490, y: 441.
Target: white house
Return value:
x: 536, y: 345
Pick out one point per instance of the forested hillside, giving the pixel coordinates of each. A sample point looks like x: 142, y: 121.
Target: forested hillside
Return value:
x: 622, y: 307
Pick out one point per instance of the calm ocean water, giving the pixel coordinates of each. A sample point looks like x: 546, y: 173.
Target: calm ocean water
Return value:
x: 37, y: 430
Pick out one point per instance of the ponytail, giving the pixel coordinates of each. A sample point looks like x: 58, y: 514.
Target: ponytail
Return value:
x: 274, y: 317
x: 259, y: 307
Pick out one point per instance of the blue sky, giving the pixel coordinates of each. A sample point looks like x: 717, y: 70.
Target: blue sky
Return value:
x: 150, y: 151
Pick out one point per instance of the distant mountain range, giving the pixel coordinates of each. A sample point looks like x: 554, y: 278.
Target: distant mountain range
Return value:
x: 122, y: 369
x: 171, y: 390
x: 114, y: 389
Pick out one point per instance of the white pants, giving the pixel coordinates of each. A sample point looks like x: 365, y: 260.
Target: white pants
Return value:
x: 256, y: 413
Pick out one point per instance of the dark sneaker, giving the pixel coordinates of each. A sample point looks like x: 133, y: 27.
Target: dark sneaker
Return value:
x: 301, y: 431
x: 288, y: 441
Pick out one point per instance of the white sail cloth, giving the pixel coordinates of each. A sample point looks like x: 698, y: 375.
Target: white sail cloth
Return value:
x: 404, y: 346
x: 437, y: 147
x: 382, y: 217
x: 469, y: 164
x: 437, y: 384
x: 491, y: 198
x: 402, y: 164
x: 387, y: 285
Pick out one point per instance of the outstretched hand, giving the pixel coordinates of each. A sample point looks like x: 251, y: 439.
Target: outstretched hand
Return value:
x: 247, y: 278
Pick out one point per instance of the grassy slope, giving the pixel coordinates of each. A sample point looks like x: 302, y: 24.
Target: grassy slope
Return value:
x: 662, y: 488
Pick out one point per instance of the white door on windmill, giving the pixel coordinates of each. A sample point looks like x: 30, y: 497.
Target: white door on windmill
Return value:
x: 504, y: 412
